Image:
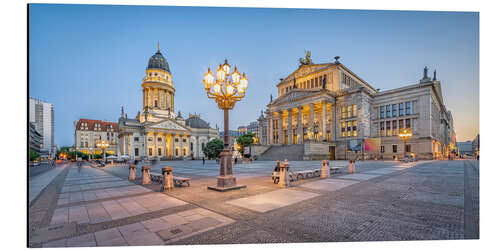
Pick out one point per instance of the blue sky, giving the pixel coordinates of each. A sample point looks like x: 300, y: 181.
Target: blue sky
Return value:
x: 89, y: 60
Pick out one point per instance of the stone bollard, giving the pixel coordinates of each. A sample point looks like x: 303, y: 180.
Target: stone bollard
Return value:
x: 168, y: 179
x: 325, y: 170
x: 131, y: 173
x: 284, y: 177
x: 146, y: 175
x: 351, y: 167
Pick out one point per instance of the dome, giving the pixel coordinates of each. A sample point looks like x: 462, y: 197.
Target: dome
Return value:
x: 194, y: 121
x: 157, y: 61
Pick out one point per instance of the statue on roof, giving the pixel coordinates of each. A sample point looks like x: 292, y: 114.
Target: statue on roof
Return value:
x: 307, y: 60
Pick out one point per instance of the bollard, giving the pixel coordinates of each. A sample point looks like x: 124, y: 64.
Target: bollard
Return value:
x: 146, y: 175
x: 168, y: 179
x: 351, y: 167
x: 325, y: 171
x: 284, y: 177
x: 131, y: 172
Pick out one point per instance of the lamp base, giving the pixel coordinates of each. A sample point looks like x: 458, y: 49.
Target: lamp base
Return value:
x: 226, y: 183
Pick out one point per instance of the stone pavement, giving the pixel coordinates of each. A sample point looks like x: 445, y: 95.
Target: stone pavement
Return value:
x: 39, y: 182
x: 382, y: 201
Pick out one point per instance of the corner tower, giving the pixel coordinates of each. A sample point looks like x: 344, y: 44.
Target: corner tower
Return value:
x: 157, y: 89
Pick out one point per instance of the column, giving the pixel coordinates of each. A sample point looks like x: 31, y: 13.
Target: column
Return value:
x: 300, y: 127
x: 146, y: 144
x: 270, y: 131
x: 311, y: 117
x: 128, y: 144
x: 155, y: 144
x: 323, y: 121
x: 144, y: 97
x: 290, y: 131
x: 280, y: 127
x: 165, y: 150
x: 332, y: 124
x: 173, y: 146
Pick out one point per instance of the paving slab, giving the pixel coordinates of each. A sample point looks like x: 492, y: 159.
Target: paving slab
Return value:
x: 328, y: 184
x: 359, y: 176
x: 272, y: 200
x: 382, y: 171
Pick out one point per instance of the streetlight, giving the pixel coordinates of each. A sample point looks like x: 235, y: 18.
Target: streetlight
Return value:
x: 103, y: 145
x: 405, y: 135
x: 226, y: 89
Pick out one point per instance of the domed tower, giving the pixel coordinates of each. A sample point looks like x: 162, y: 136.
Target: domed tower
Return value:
x: 157, y: 89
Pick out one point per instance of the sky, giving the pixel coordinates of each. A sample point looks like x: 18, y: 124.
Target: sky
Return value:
x: 89, y: 60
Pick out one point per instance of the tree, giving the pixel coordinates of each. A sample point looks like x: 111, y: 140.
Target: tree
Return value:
x: 213, y: 148
x: 33, y: 155
x: 245, y: 141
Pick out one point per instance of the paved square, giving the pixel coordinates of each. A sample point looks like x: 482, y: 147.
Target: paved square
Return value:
x: 382, y: 171
x: 272, y: 200
x: 360, y: 177
x: 328, y: 184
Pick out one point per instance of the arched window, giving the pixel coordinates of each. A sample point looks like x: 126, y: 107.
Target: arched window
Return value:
x: 156, y: 103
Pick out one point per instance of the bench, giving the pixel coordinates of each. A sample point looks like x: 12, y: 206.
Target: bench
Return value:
x: 178, y: 181
x: 335, y: 170
x: 275, y: 176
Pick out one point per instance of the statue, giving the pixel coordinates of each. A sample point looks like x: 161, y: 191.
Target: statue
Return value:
x: 271, y: 98
x: 434, y: 78
x: 324, y: 82
x: 294, y: 83
x: 425, y: 72
x: 307, y: 60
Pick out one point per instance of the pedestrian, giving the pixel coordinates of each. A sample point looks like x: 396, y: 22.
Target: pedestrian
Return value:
x: 235, y: 160
x: 203, y: 160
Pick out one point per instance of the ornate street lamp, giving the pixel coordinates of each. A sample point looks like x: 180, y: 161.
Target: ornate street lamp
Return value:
x: 226, y: 89
x: 405, y: 135
x: 103, y: 145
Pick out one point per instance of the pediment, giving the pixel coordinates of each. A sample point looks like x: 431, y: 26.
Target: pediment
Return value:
x: 294, y: 95
x: 305, y: 70
x: 168, y: 124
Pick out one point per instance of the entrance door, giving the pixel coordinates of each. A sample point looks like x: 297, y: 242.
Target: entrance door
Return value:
x: 331, y: 150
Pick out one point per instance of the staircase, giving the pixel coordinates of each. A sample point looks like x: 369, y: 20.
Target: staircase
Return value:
x: 294, y: 152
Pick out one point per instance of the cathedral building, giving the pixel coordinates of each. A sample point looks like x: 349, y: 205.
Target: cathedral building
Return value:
x: 326, y: 111
x: 156, y: 133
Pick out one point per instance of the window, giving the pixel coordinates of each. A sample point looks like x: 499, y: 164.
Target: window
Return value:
x: 185, y: 151
x: 382, y: 149
x: 394, y: 148
x: 159, y: 151
x: 382, y: 112
x: 401, y: 126
x: 184, y: 140
x: 382, y: 132
x: 408, y: 108
x: 150, y: 151
x: 408, y: 123
x: 355, y: 128
x: 158, y: 139
x: 343, y: 112
x: 81, y: 144
x: 136, y: 138
x: 176, y: 139
x: 349, y: 111
x: 401, y: 112
x: 348, y: 129
x: 191, y: 146
x: 408, y: 148
x: 394, y: 127
x: 150, y: 139
x: 354, y: 110
x: 388, y: 128
x: 343, y: 129
x: 156, y: 103
x: 176, y: 152
x: 136, y: 152
x: 388, y: 111
x: 316, y: 82
x: 308, y: 83
x: 394, y: 110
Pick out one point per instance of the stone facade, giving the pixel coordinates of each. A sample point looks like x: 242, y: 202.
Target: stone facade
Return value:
x: 89, y: 132
x: 156, y: 133
x: 327, y: 107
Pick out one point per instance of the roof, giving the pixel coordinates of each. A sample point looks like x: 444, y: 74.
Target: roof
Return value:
x: 105, y: 125
x: 194, y: 121
x: 157, y: 61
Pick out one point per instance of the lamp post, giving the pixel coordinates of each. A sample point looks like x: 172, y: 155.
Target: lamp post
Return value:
x: 226, y: 89
x: 405, y: 135
x: 103, y: 145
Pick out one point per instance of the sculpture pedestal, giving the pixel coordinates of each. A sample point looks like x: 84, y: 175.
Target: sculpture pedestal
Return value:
x: 226, y: 180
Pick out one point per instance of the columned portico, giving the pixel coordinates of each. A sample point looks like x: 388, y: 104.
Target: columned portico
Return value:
x: 300, y: 128
x: 323, y: 121
x: 290, y: 130
x: 280, y: 127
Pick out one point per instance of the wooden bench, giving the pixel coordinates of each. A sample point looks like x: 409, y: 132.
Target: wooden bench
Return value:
x: 335, y: 170
x: 275, y: 176
x: 178, y: 181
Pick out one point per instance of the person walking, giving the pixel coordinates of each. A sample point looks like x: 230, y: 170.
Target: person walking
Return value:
x: 203, y: 159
